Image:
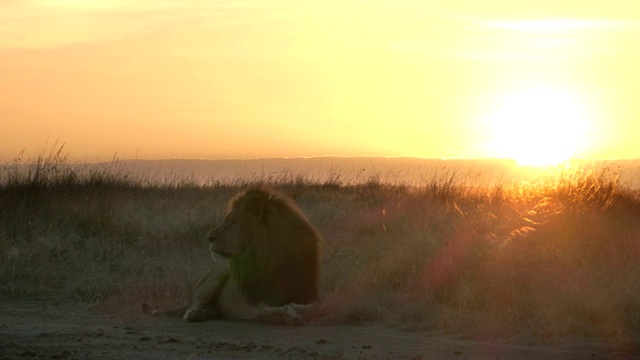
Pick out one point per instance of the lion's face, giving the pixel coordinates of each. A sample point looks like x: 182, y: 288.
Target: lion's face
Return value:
x: 234, y: 235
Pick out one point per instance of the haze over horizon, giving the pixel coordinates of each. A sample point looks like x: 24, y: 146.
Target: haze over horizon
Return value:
x: 534, y: 81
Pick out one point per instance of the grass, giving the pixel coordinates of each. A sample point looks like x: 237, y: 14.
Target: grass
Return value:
x: 558, y: 256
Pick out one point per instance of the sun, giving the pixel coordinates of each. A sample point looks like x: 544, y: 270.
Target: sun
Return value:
x: 538, y: 126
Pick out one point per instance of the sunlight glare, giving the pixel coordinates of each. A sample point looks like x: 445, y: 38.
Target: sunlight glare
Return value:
x: 538, y: 126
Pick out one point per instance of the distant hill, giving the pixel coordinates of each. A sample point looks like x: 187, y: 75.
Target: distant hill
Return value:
x: 404, y: 170
x: 345, y: 170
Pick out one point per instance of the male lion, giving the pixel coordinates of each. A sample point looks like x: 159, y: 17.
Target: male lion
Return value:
x: 270, y: 268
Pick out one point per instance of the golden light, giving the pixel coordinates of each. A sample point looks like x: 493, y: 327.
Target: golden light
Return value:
x: 538, y: 126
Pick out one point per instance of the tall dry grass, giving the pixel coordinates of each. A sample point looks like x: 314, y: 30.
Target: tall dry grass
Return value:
x: 558, y: 256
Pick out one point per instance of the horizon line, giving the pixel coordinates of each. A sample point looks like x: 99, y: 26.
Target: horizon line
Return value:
x: 391, y: 157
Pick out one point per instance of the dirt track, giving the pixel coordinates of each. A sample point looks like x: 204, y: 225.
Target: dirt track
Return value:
x: 35, y: 331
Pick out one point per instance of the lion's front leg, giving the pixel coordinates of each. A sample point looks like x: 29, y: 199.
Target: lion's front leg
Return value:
x: 205, y: 295
x: 290, y: 314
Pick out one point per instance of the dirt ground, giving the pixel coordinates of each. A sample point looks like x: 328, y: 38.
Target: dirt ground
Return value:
x: 33, y: 330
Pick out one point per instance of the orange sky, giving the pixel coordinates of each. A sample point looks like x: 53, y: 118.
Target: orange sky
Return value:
x: 221, y: 79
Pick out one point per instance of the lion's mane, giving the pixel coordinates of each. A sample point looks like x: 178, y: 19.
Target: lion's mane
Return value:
x: 281, y: 266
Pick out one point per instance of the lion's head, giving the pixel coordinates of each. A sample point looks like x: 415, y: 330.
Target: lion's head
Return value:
x: 272, y: 248
x: 240, y: 230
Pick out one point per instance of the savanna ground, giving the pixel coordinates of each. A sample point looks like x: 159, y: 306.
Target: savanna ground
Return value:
x: 541, y: 269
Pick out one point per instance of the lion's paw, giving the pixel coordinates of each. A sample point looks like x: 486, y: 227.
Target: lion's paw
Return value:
x: 195, y: 314
x: 290, y: 316
x: 284, y: 315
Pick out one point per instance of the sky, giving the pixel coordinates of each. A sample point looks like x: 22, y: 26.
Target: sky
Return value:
x: 538, y: 81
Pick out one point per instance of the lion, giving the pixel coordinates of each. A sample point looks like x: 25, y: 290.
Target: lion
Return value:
x: 269, y: 269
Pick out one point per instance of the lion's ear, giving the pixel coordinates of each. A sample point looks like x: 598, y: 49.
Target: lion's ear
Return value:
x: 254, y: 208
